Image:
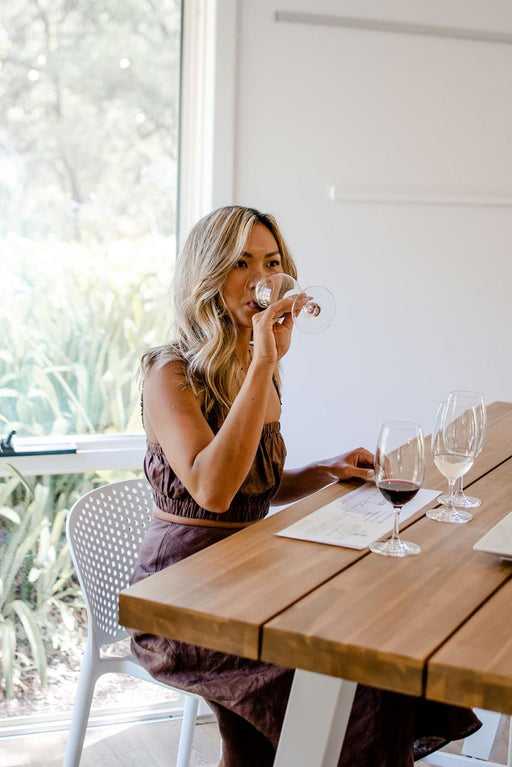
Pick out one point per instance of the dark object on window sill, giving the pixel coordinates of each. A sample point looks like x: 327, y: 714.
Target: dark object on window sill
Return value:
x: 6, y: 445
x: 38, y: 447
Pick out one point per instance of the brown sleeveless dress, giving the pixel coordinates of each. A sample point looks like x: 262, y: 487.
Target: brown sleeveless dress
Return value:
x: 249, y: 698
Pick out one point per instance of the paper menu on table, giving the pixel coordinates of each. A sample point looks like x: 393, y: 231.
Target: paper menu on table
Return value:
x: 498, y: 540
x: 355, y: 519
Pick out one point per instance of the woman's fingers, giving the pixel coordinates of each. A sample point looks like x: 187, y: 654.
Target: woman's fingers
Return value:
x: 272, y: 329
x: 281, y: 308
x: 357, y: 463
x: 300, y: 302
x: 274, y: 313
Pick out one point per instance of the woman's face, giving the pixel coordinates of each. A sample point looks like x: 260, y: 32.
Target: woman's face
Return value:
x: 261, y: 258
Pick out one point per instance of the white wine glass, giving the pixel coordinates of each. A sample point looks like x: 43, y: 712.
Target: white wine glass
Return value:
x: 454, y: 443
x: 313, y: 309
x: 476, y: 400
x: 399, y: 469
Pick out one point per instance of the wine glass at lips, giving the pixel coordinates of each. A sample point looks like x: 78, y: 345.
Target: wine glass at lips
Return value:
x: 476, y: 400
x: 399, y: 468
x: 454, y: 444
x: 313, y: 309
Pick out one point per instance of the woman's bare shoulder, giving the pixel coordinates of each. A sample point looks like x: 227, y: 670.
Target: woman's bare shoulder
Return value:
x: 167, y: 368
x: 166, y: 384
x: 172, y: 410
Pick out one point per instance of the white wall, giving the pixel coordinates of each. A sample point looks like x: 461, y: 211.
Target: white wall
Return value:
x: 423, y: 288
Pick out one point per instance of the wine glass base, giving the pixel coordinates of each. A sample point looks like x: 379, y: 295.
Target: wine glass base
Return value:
x: 460, y: 500
x: 315, y: 315
x: 395, y: 548
x: 456, y: 516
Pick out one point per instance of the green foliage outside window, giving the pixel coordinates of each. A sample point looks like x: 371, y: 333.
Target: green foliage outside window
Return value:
x: 41, y: 610
x: 88, y: 118
x: 88, y: 166
x: 70, y: 347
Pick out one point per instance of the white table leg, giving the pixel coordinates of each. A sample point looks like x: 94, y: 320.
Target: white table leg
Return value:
x: 316, y: 720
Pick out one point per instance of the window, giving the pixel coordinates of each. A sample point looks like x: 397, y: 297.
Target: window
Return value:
x: 89, y: 118
x: 89, y: 108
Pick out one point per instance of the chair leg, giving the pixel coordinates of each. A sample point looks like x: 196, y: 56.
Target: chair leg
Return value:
x: 187, y: 731
x: 80, y: 716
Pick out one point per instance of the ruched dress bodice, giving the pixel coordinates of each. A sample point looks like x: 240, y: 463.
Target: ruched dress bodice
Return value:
x: 251, y: 502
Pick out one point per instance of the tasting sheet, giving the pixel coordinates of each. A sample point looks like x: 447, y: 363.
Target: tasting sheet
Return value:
x: 498, y: 540
x: 356, y: 519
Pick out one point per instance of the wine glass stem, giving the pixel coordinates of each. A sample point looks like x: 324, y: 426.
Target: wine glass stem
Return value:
x: 451, y: 493
x: 460, y: 490
x: 396, y: 524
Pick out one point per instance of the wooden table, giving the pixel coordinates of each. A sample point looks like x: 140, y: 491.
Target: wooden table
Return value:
x: 437, y: 625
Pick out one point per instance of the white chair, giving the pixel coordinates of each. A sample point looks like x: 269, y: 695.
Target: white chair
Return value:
x: 476, y: 749
x: 105, y: 529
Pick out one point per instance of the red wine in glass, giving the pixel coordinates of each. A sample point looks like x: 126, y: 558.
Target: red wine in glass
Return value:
x: 399, y: 467
x: 398, y: 491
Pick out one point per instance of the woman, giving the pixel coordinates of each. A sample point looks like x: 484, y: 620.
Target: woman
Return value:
x: 215, y: 458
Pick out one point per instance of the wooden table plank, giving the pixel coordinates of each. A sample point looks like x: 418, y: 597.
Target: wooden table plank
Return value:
x: 221, y: 597
x: 379, y: 621
x: 474, y: 667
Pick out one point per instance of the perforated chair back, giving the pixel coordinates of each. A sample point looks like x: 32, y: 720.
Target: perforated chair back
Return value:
x: 105, y: 529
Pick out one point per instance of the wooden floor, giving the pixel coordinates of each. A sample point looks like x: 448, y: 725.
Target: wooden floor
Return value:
x: 144, y: 744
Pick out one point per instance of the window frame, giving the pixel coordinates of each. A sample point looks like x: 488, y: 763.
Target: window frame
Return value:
x: 209, y: 66
x: 94, y: 452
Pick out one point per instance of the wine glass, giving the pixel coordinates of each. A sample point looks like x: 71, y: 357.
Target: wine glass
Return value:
x: 454, y: 442
x: 399, y: 467
x: 312, y: 313
x: 476, y: 400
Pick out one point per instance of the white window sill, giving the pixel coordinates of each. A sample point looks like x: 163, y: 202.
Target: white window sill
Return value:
x: 94, y: 452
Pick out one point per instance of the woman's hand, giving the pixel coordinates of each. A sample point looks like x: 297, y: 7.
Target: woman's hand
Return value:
x: 298, y: 483
x: 272, y: 331
x: 357, y: 463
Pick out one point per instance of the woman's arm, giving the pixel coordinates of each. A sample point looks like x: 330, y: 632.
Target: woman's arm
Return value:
x: 298, y: 483
x: 213, y: 466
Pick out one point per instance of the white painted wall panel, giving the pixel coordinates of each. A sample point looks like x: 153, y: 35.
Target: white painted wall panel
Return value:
x: 423, y: 290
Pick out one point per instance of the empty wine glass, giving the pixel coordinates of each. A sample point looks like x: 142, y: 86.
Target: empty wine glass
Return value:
x: 476, y: 400
x: 454, y: 444
x: 399, y: 467
x: 312, y: 313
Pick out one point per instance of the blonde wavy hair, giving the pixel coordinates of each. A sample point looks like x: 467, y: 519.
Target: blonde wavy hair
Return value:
x: 204, y: 332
